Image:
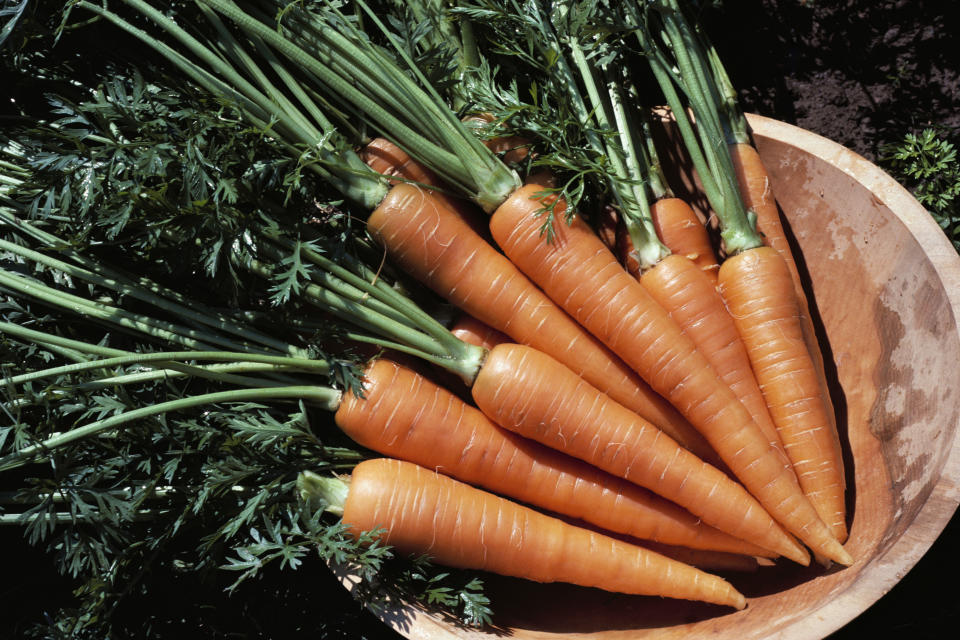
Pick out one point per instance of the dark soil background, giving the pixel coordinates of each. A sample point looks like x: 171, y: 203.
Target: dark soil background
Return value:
x: 860, y: 72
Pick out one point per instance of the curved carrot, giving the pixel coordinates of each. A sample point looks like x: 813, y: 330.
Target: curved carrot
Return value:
x: 690, y: 296
x: 424, y: 512
x: 435, y: 246
x: 471, y: 330
x: 530, y: 393
x: 757, y: 194
x: 757, y: 288
x: 404, y: 415
x: 679, y: 227
x: 579, y: 272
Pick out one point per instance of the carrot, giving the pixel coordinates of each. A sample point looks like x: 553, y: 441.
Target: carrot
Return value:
x: 758, y: 290
x: 388, y: 159
x: 459, y: 526
x: 678, y: 226
x: 471, y: 330
x: 733, y: 193
x: 755, y: 186
x: 576, y: 269
x: 404, y: 415
x: 530, y: 393
x: 419, y: 121
x: 435, y: 246
x: 691, y: 298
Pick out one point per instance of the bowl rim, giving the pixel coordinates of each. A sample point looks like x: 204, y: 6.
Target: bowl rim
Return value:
x: 885, y: 570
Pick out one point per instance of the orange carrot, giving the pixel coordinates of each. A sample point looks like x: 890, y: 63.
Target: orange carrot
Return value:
x: 757, y: 194
x: 404, y: 415
x: 530, y: 393
x: 579, y: 272
x: 384, y: 157
x: 431, y: 243
x: 424, y: 512
x: 758, y: 290
x: 471, y: 330
x: 691, y: 298
x: 679, y: 227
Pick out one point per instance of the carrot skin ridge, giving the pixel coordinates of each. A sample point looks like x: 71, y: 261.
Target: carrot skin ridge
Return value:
x: 758, y: 290
x: 432, y: 244
x: 404, y: 415
x: 530, y: 393
x: 755, y: 187
x: 424, y: 512
x: 584, y: 278
x: 691, y: 298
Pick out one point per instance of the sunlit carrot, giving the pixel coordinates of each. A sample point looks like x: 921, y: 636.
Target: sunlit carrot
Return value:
x: 578, y: 270
x: 679, y: 227
x: 525, y: 391
x: 405, y: 416
x: 758, y: 195
x: 758, y: 290
x: 425, y: 513
x: 433, y: 244
x: 791, y: 398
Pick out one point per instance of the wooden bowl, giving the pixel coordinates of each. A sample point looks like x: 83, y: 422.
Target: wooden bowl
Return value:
x: 884, y: 282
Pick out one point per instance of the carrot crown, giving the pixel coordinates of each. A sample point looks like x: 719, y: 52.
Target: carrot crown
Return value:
x: 681, y: 65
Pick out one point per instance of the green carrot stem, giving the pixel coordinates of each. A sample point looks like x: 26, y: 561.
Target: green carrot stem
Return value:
x: 315, y: 366
x: 326, y: 492
x: 326, y: 397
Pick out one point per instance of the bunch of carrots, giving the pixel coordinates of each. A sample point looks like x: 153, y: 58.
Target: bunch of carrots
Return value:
x: 653, y: 378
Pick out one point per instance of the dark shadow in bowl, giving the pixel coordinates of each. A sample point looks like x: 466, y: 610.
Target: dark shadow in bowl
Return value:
x: 568, y: 609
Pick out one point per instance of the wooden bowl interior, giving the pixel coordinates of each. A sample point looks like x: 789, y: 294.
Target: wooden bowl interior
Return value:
x: 880, y: 281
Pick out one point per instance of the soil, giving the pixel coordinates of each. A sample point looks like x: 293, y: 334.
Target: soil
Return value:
x: 860, y: 72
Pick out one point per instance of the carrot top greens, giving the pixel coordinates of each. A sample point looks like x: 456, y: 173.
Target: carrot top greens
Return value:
x: 142, y: 420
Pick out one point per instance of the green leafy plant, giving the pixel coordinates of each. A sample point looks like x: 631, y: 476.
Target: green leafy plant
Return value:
x: 927, y: 164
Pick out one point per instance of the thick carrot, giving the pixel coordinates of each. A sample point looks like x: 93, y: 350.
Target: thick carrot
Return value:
x: 424, y: 512
x: 691, y: 298
x: 679, y: 227
x: 757, y: 288
x: 435, y: 246
x: 579, y: 272
x: 758, y: 195
x: 530, y: 393
x: 404, y: 415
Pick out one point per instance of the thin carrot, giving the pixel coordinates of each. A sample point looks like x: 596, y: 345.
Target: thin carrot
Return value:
x: 755, y: 187
x: 719, y: 117
x: 404, y: 415
x: 435, y: 246
x: 680, y: 228
x: 691, y: 298
x: 528, y: 392
x: 757, y: 288
x: 576, y: 269
x: 423, y: 512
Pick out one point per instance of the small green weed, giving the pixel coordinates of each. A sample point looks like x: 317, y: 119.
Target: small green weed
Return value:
x: 927, y: 164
